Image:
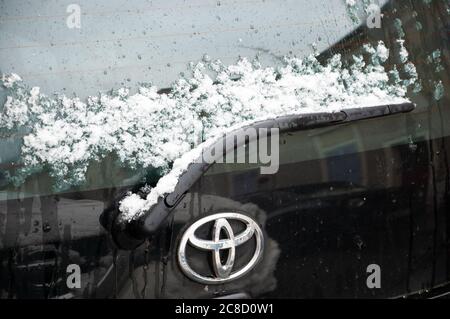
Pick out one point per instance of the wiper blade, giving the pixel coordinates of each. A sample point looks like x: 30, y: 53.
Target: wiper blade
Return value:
x: 132, y: 233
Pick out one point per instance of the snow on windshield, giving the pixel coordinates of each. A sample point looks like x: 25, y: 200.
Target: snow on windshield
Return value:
x: 167, y: 132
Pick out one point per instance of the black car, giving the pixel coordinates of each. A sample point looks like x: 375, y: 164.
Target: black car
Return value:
x: 358, y: 208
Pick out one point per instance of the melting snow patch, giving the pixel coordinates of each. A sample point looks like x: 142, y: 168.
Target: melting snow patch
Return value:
x: 403, y: 52
x: 9, y: 79
x: 167, y: 132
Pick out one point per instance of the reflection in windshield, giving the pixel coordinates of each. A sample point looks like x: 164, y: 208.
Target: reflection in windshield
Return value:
x: 345, y: 195
x: 150, y: 130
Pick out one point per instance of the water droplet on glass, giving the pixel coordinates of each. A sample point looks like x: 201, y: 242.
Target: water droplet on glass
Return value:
x: 46, y: 227
x: 206, y: 58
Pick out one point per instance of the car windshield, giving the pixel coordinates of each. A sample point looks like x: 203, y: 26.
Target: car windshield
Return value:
x: 89, y: 48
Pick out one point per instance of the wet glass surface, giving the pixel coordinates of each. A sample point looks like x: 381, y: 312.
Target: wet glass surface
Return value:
x: 345, y: 196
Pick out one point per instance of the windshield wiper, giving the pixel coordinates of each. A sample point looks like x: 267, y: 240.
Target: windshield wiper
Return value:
x: 129, y: 234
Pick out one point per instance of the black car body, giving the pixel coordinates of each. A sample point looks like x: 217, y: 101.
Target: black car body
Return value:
x: 369, y: 187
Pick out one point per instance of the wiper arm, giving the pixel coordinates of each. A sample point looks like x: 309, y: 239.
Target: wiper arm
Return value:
x: 130, y: 234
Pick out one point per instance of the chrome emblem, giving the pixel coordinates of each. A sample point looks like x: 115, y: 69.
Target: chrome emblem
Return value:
x: 221, y: 272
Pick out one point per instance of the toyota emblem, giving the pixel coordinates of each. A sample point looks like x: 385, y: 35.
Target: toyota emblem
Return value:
x: 222, y: 272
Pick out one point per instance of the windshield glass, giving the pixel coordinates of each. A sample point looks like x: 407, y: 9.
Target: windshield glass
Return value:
x: 89, y: 48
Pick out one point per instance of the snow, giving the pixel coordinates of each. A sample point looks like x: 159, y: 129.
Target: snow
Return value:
x: 9, y: 79
x: 352, y: 11
x: 131, y: 204
x: 167, y: 132
x: 382, y: 52
x: 438, y: 91
x: 403, y: 52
